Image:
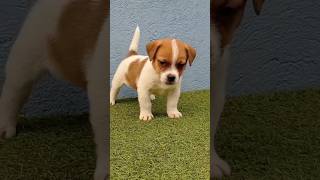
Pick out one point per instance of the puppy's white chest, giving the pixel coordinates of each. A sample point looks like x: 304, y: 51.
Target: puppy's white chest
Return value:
x: 162, y: 89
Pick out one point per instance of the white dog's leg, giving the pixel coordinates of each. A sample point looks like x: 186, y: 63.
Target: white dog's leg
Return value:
x: 220, y: 68
x: 98, y: 99
x: 98, y: 118
x: 116, y: 85
x: 152, y: 97
x: 145, y: 104
x: 26, y: 61
x: 22, y: 70
x: 172, y: 103
x: 220, y: 167
x: 117, y: 82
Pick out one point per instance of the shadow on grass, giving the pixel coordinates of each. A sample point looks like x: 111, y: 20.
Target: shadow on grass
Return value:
x: 52, y: 124
x: 49, y: 148
x: 272, y: 136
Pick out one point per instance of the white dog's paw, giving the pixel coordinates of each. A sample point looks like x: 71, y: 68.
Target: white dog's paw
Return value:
x: 145, y: 116
x: 174, y: 114
x: 112, y: 102
x: 7, y: 130
x: 100, y: 175
x: 152, y: 97
x: 220, y: 167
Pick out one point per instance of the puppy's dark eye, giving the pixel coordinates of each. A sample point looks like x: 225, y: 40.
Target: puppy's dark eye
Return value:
x: 181, y: 64
x: 162, y: 62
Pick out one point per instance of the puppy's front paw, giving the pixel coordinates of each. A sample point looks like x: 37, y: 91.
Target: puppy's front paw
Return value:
x: 152, y: 97
x: 174, y: 114
x: 7, y: 130
x: 145, y: 116
x: 112, y: 102
x: 220, y: 167
x: 100, y: 175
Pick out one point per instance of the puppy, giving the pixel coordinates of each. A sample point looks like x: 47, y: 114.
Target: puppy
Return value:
x: 226, y: 16
x: 67, y: 38
x: 159, y: 73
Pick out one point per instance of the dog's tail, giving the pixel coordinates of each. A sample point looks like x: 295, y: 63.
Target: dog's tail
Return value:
x: 133, y: 49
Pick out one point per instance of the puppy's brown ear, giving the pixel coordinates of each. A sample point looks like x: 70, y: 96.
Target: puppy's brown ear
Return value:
x: 152, y: 48
x: 257, y: 4
x: 191, y: 54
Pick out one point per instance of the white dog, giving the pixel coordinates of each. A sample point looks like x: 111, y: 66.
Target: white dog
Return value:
x: 69, y: 39
x: 159, y: 73
x: 226, y: 16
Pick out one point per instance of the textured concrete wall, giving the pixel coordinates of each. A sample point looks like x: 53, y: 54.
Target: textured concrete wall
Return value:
x: 278, y: 50
x: 49, y: 96
x: 187, y: 20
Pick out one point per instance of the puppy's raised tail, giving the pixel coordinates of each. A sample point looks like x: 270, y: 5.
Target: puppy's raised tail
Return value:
x: 133, y: 49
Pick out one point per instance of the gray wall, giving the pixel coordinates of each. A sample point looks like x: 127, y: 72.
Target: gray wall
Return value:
x: 50, y: 96
x: 188, y: 20
x: 278, y: 50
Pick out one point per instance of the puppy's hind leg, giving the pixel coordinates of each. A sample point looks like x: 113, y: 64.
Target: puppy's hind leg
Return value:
x: 26, y: 61
x: 98, y: 118
x: 98, y: 100
x: 219, y: 166
x: 22, y: 70
x: 117, y: 83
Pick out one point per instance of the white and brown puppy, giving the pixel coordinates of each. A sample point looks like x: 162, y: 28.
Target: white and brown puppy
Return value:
x: 159, y: 73
x: 69, y: 39
x: 226, y: 16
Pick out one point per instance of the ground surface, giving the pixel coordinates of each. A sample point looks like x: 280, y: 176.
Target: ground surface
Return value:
x: 55, y: 148
x: 273, y: 136
x: 163, y: 148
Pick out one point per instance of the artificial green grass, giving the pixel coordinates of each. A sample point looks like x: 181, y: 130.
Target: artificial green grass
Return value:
x: 162, y: 148
x: 273, y: 136
x: 49, y: 148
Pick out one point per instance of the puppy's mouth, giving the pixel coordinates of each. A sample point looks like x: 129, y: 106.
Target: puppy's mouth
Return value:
x: 169, y: 83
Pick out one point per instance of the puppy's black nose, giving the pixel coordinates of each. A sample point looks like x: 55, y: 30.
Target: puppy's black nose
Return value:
x: 171, y: 78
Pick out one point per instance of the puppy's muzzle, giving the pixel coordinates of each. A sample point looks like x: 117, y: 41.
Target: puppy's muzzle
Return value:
x: 171, y: 79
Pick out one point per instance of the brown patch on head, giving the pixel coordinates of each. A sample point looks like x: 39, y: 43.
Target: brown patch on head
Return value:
x: 227, y: 16
x: 186, y: 55
x: 161, y: 54
x: 77, y: 33
x: 190, y: 52
x: 134, y: 72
